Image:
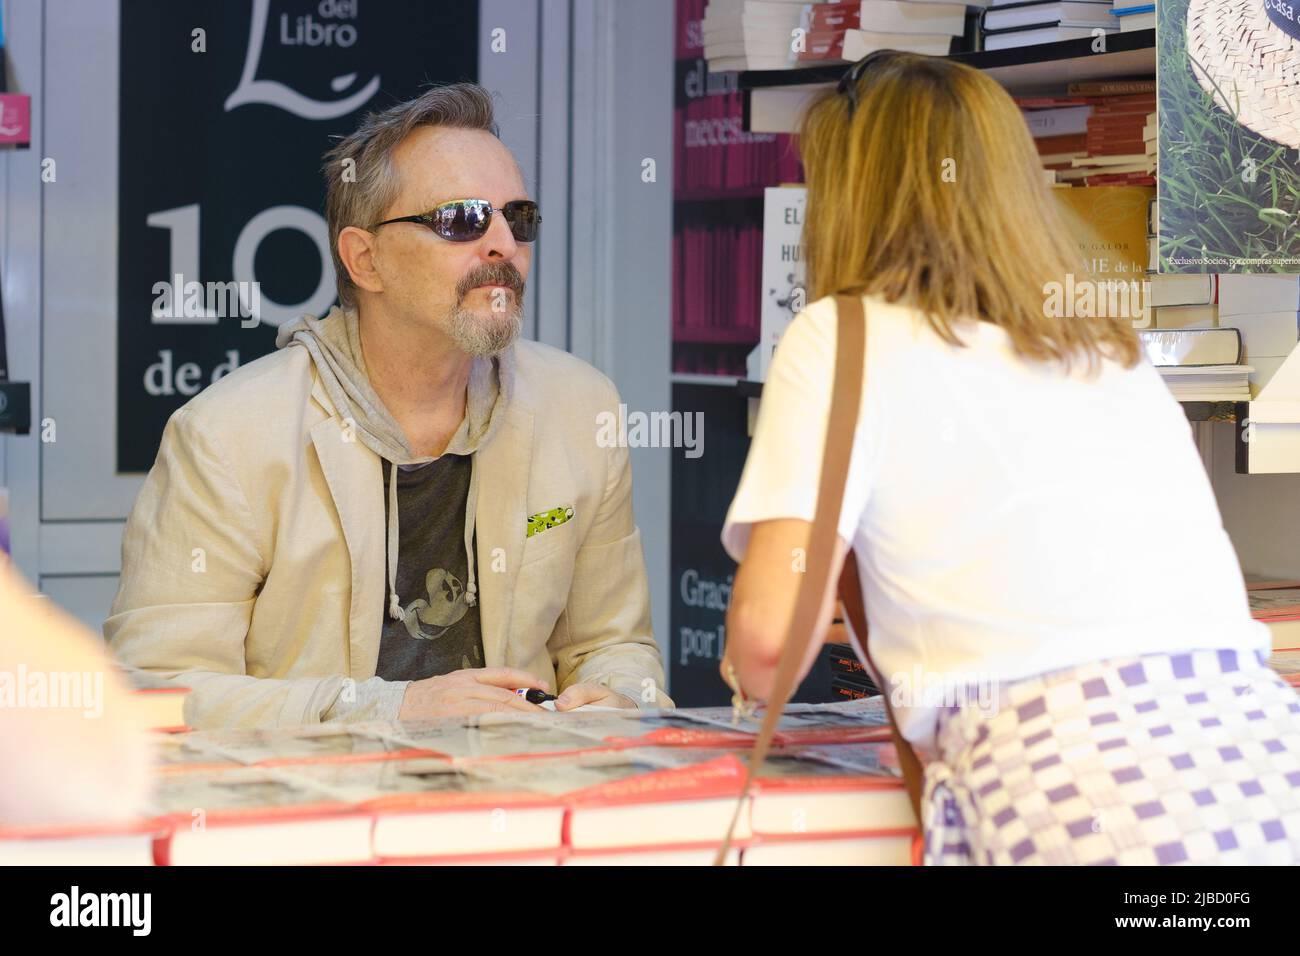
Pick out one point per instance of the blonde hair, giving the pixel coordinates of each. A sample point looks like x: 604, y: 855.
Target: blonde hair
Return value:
x: 932, y: 195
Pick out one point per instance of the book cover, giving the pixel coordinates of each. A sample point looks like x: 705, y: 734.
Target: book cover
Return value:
x: 783, y: 270
x: 1109, y: 225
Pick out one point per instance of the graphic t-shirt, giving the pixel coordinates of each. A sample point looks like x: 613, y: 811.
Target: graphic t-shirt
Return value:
x: 441, y: 631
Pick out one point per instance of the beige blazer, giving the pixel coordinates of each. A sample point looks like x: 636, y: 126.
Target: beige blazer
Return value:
x: 253, y: 561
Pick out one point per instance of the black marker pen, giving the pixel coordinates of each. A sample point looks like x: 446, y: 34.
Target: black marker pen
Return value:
x: 533, y: 695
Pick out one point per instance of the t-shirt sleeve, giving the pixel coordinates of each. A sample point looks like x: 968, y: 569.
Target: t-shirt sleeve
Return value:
x: 783, y: 469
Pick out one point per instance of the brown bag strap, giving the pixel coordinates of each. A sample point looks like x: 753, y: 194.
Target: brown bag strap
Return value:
x: 855, y: 612
x: 846, y: 397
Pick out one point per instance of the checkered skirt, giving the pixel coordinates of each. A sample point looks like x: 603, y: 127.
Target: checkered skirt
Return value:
x: 1161, y: 759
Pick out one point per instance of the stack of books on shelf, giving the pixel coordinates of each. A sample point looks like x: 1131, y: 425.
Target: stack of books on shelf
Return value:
x: 1264, y: 310
x: 1018, y: 24
x: 751, y: 34
x: 786, y: 34
x: 654, y: 786
x: 1059, y: 125
x: 825, y: 25
x: 1183, y: 301
x: 1118, y: 152
x: 1099, y: 133
x: 935, y: 29
x: 1134, y: 14
x: 1200, y: 360
x: 1199, y: 365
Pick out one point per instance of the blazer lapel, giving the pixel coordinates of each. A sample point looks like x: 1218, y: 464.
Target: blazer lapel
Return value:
x: 500, y: 522
x: 355, y: 480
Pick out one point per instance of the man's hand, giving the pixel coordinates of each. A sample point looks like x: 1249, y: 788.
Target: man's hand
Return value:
x: 575, y: 695
x: 477, y: 690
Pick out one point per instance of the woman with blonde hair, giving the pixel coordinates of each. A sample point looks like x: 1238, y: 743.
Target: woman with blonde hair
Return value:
x: 1056, y: 612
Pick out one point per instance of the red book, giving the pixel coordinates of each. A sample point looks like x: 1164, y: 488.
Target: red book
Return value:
x: 1050, y: 102
x: 1128, y: 122
x: 835, y: 16
x: 1121, y: 179
x: 468, y: 824
x: 1110, y: 137
x: 1147, y: 100
x: 823, y: 46
x: 688, y: 804
x: 1111, y: 87
x: 833, y: 789
x: 255, y: 815
x: 1115, y: 147
x: 1050, y: 145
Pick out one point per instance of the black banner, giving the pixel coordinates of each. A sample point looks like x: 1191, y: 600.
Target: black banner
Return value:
x: 702, y: 572
x: 226, y: 109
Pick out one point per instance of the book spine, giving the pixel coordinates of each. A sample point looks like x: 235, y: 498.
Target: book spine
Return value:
x: 1111, y: 87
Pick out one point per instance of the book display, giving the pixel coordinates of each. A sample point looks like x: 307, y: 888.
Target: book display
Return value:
x: 595, y: 786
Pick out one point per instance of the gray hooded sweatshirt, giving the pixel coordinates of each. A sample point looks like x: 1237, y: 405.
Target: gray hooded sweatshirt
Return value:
x: 335, y: 346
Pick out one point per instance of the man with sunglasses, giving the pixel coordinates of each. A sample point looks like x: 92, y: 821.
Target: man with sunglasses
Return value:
x: 404, y: 511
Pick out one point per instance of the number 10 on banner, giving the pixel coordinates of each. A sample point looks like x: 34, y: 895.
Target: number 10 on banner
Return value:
x: 182, y: 299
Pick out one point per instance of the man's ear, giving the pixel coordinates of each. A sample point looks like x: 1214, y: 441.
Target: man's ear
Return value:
x: 357, y: 251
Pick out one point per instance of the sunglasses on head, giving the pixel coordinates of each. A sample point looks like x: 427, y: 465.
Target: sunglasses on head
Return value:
x: 464, y: 220
x: 848, y: 85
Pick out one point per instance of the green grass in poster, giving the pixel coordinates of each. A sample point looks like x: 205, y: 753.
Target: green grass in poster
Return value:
x: 1210, y: 209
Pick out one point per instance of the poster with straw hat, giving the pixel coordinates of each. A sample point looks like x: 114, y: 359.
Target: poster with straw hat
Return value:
x: 1229, y: 136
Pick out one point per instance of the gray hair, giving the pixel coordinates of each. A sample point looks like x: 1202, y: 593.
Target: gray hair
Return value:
x: 360, y: 179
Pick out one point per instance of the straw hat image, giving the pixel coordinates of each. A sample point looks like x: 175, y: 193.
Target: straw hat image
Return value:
x: 1246, y: 54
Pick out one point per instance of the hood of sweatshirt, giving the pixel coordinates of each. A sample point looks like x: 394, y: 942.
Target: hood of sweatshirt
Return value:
x: 334, y: 343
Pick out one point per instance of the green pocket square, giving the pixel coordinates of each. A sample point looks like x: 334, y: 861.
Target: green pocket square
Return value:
x: 548, y: 519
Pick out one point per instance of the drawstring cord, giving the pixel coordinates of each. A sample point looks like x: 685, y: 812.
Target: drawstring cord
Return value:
x: 471, y: 507
x: 394, y: 603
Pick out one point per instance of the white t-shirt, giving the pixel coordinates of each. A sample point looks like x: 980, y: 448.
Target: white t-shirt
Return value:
x: 1008, y: 519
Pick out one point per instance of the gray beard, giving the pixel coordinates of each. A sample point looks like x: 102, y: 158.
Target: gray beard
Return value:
x: 476, y: 336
